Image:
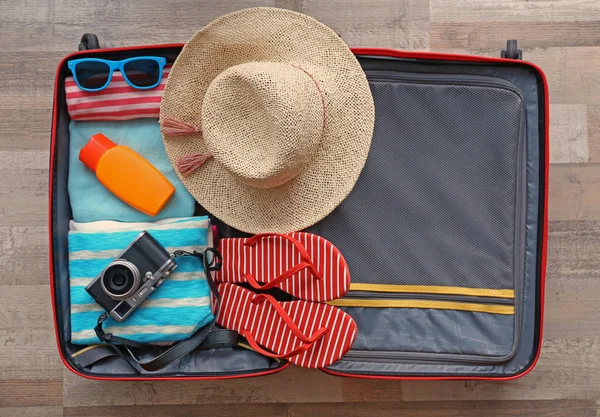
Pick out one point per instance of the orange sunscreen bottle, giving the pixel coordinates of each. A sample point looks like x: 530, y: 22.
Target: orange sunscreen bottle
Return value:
x: 127, y: 175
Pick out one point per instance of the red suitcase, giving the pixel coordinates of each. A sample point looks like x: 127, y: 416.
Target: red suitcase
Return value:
x: 480, y: 321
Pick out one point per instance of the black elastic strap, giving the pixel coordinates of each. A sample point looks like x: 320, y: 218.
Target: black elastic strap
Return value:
x: 220, y: 339
x: 216, y: 339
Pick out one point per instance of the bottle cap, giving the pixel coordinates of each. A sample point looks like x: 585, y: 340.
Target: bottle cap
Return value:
x: 91, y: 153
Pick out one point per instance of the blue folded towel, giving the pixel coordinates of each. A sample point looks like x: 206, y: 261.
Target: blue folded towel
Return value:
x: 91, y: 201
x: 173, y: 312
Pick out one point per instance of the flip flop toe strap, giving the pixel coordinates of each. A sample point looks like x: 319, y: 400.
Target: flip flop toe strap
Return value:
x: 306, y: 262
x: 307, y: 342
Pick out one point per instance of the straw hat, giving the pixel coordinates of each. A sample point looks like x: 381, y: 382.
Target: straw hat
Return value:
x: 267, y: 117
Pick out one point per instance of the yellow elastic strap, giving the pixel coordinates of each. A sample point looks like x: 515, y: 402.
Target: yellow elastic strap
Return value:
x: 245, y: 346
x: 79, y: 352
x: 438, y: 305
x: 433, y: 289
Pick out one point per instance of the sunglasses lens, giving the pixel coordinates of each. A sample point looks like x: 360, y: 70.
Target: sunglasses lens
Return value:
x: 92, y: 75
x: 142, y: 72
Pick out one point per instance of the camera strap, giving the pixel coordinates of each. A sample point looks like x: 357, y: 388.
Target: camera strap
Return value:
x: 205, y: 338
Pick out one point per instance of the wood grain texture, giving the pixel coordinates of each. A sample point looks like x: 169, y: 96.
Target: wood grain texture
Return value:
x: 520, y: 11
x: 17, y: 392
x: 449, y: 409
x: 571, y: 72
x: 572, y: 280
x: 196, y: 410
x: 569, y: 138
x: 563, y: 37
x: 24, y: 194
x: 31, y: 412
x: 400, y: 24
x: 574, y: 192
x: 594, y: 132
x: 570, y: 408
x: 292, y: 385
x: 492, y: 35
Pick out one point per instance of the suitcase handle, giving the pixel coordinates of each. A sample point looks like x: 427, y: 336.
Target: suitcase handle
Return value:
x: 88, y: 41
x: 511, y: 51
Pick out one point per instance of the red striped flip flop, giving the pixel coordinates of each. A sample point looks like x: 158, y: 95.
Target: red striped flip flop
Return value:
x: 311, y: 335
x: 304, y: 265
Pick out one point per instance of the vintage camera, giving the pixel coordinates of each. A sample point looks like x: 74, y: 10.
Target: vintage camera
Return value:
x: 132, y: 276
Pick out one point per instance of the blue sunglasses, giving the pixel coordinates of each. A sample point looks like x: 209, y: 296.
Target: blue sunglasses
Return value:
x: 93, y: 74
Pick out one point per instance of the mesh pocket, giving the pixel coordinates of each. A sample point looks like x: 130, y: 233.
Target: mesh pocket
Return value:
x: 436, y: 201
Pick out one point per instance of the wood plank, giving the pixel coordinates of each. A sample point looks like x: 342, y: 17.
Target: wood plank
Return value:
x: 594, y: 132
x: 567, y: 408
x: 574, y: 192
x: 27, y: 338
x: 24, y: 306
x: 292, y: 385
x: 490, y: 37
x: 31, y: 411
x: 371, y: 390
x: 571, y: 250
x: 16, y: 392
x: 29, y: 353
x: 402, y: 24
x: 24, y: 195
x: 32, y: 77
x: 26, y: 129
x: 558, y: 408
x: 199, y: 410
x: 19, y: 246
x: 571, y: 72
x: 59, y: 26
x: 521, y: 11
x: 569, y: 133
x: 26, y: 99
x: 573, y: 281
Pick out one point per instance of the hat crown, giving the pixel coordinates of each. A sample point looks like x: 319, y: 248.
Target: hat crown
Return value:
x: 263, y: 121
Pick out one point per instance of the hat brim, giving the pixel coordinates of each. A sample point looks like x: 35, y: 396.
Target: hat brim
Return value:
x: 275, y: 35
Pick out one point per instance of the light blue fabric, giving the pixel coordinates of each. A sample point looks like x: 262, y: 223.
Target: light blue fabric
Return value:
x: 91, y: 201
x: 173, y: 312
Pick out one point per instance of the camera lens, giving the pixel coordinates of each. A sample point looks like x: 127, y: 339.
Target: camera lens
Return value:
x: 120, y: 279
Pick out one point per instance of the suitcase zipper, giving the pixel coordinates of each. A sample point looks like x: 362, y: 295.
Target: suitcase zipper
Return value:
x: 420, y: 357
x: 436, y: 297
x: 450, y: 79
x: 414, y: 357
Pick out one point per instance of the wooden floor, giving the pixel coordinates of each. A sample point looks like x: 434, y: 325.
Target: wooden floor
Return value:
x: 563, y: 37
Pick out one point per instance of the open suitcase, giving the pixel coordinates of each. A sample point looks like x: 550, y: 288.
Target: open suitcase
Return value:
x: 444, y: 233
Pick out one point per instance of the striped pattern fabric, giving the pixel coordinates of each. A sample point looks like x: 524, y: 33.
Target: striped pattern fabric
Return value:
x: 118, y: 101
x: 171, y: 313
x: 272, y: 256
x: 270, y: 331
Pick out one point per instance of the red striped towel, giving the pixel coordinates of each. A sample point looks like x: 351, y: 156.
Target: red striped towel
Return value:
x: 118, y: 101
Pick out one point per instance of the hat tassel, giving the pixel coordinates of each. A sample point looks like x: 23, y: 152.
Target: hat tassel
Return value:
x: 170, y: 126
x: 188, y: 164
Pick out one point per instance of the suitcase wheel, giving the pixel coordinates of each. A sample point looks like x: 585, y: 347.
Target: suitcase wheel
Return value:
x: 88, y: 41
